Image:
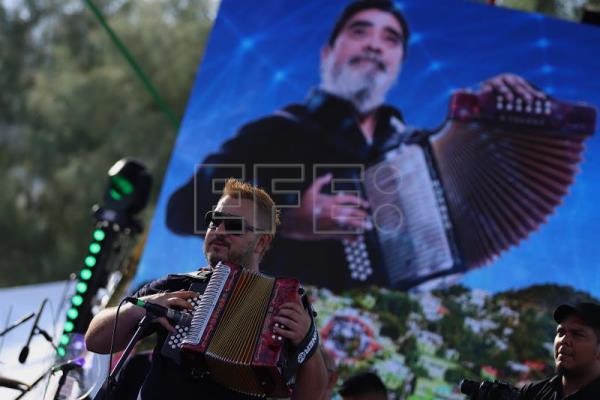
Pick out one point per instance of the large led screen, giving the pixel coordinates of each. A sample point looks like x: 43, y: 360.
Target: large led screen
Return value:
x: 436, y: 233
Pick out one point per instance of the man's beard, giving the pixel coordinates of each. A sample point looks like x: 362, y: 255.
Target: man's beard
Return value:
x: 569, y: 372
x: 243, y: 257
x: 366, y: 88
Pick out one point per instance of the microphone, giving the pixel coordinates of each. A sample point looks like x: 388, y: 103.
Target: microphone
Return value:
x: 177, y: 317
x: 25, y: 350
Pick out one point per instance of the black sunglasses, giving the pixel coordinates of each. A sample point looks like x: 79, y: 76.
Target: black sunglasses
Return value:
x: 234, y: 224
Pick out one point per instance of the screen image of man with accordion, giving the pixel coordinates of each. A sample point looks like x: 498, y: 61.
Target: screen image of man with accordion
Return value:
x: 249, y: 335
x: 378, y: 202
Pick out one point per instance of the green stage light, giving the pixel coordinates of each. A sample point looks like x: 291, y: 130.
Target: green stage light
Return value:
x: 72, y: 313
x: 61, y: 351
x: 77, y: 300
x: 81, y: 287
x: 99, y: 235
x: 64, y: 340
x: 85, y: 274
x: 95, y: 248
x: 128, y: 188
x: 122, y: 184
x: 90, y: 261
x: 115, y: 195
x: 69, y: 326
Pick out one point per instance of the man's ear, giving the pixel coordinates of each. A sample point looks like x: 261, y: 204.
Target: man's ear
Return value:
x: 263, y: 243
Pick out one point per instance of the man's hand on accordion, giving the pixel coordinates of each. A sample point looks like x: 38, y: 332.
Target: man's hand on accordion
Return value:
x: 99, y: 335
x: 175, y: 300
x: 293, y: 322
x: 324, y: 216
x: 511, y: 86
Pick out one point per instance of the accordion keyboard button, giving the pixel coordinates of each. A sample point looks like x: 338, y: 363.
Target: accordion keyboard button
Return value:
x: 357, y: 257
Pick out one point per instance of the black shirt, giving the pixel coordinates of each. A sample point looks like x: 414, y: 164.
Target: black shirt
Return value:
x: 551, y: 389
x: 166, y: 379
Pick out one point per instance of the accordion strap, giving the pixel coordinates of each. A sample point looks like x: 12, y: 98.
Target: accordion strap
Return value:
x: 198, y: 275
x: 310, y: 343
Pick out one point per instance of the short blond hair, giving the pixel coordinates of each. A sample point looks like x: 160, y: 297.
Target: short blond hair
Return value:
x: 268, y: 211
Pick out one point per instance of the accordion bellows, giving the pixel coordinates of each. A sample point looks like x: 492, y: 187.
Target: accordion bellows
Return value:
x: 231, y: 337
x: 454, y: 199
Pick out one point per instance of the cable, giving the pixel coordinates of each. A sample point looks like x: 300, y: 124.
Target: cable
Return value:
x: 53, y: 313
x: 134, y: 65
x: 112, y: 339
x: 8, y: 316
x: 54, y: 325
x: 65, y: 295
x: 47, y: 383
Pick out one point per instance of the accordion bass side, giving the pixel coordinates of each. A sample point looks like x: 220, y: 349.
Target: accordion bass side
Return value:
x: 454, y: 199
x: 230, y: 335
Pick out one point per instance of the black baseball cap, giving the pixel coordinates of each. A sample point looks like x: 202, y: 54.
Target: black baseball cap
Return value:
x: 360, y: 5
x: 588, y: 312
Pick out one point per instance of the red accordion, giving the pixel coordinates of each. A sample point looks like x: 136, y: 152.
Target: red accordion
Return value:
x: 451, y: 200
x: 230, y: 335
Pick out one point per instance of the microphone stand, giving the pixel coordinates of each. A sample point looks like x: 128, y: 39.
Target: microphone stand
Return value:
x: 34, y: 331
x: 64, y: 368
x: 110, y: 384
x: 17, y: 323
x: 46, y: 335
x: 34, y: 384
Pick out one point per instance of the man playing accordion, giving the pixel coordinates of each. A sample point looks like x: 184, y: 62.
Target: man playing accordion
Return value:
x: 239, y: 231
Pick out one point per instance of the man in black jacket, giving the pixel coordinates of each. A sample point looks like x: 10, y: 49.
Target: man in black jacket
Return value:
x: 576, y: 356
x: 239, y: 231
x: 311, y: 157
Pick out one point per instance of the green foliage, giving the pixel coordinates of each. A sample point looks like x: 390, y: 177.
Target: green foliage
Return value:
x: 408, y: 348
x: 391, y: 325
x: 70, y: 106
x: 545, y: 298
x: 431, y: 341
x: 455, y: 375
x: 533, y: 329
x: 394, y: 302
